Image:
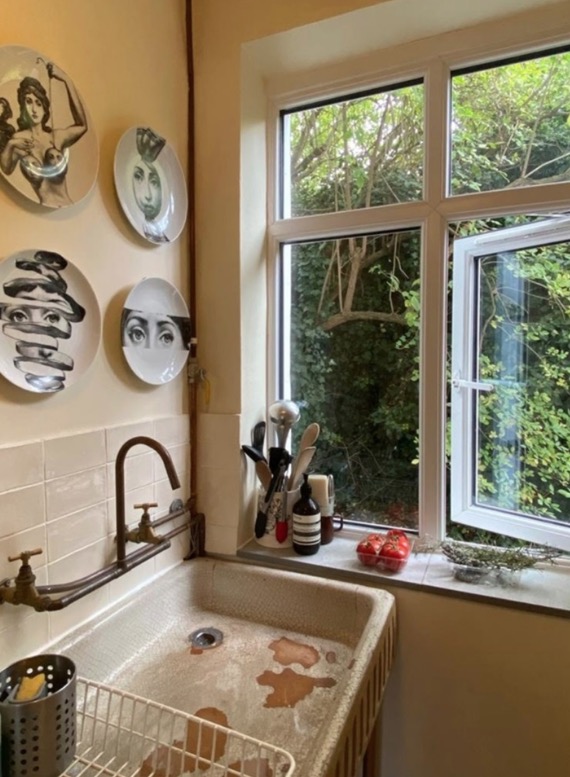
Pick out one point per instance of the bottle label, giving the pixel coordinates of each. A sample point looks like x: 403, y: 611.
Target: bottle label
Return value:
x: 307, y: 529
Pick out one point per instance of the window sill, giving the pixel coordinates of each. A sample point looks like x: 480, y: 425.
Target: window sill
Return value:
x: 545, y: 589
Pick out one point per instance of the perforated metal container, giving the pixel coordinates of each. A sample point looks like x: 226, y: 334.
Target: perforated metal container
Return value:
x: 38, y: 737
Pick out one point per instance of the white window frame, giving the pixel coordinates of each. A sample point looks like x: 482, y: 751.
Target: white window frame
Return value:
x: 433, y: 62
x: 465, y: 387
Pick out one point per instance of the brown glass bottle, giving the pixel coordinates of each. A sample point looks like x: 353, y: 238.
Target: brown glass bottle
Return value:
x: 306, y: 522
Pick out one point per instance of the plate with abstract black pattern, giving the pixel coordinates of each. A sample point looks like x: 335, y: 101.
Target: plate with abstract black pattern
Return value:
x: 50, y: 322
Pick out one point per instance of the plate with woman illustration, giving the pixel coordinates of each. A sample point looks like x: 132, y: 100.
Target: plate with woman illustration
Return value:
x: 48, y: 147
x: 150, y: 185
x: 50, y: 322
x: 155, y: 331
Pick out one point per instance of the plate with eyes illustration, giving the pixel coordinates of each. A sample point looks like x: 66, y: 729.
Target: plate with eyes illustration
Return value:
x: 50, y: 322
x: 155, y: 331
x: 48, y: 146
x: 150, y: 185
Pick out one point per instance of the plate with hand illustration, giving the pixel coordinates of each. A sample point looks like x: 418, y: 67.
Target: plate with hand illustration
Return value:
x: 48, y: 147
x: 150, y: 185
x: 50, y: 322
x: 155, y: 331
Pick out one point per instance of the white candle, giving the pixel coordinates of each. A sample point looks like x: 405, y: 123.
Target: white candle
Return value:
x: 320, y: 487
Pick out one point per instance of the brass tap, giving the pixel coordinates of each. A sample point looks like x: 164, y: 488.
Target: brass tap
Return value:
x: 24, y: 590
x: 144, y: 531
x: 120, y: 486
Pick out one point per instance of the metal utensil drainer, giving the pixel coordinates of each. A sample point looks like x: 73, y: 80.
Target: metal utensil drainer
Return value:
x: 38, y: 737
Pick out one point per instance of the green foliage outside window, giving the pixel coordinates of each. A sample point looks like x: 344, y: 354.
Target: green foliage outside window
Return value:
x: 356, y: 301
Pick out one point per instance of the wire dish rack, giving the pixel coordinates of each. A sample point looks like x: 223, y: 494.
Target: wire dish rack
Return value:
x: 122, y: 734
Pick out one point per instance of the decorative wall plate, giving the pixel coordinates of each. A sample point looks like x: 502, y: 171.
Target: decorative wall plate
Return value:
x: 48, y: 147
x: 155, y: 331
x: 50, y: 322
x: 150, y: 185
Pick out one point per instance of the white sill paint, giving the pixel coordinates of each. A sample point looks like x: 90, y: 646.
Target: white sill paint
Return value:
x: 545, y: 588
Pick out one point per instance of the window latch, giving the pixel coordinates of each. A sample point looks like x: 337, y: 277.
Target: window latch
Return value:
x: 458, y: 383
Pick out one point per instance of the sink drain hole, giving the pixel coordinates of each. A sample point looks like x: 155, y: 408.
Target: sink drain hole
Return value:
x: 206, y: 638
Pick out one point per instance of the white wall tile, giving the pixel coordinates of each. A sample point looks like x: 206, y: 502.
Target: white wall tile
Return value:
x: 28, y: 638
x: 66, y: 455
x: 180, y: 455
x: 74, y: 492
x: 172, y: 430
x: 138, y: 472
x: 117, y: 435
x: 79, y: 564
x: 75, y: 531
x: 21, y: 509
x: 136, y: 497
x: 179, y: 546
x: 21, y: 465
x: 71, y: 516
x: 164, y: 495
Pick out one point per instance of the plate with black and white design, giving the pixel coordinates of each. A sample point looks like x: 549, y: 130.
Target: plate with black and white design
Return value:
x: 48, y: 147
x: 50, y: 322
x: 150, y: 185
x: 155, y: 331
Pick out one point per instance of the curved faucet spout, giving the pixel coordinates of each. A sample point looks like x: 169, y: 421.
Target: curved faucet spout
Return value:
x: 120, y: 485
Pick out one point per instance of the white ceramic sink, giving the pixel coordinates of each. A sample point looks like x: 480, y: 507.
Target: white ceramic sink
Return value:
x: 302, y: 664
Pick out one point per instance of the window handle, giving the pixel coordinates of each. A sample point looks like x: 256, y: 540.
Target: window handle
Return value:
x: 458, y: 383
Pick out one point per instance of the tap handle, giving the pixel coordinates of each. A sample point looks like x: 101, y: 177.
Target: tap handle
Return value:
x: 145, y: 505
x: 24, y: 556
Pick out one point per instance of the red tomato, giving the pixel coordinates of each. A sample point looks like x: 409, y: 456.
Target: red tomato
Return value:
x: 381, y: 538
x: 393, y: 556
x: 367, y: 551
x: 400, y: 536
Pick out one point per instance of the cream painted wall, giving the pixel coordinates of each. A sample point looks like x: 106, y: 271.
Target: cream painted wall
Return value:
x: 127, y: 58
x: 477, y: 691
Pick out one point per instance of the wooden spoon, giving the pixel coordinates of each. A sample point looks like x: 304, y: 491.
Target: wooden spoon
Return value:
x: 300, y: 466
x: 308, y: 439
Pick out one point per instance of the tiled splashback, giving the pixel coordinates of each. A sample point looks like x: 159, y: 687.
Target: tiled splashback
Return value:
x: 59, y: 495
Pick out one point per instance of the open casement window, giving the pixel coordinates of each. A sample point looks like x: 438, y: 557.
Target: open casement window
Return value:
x: 510, y: 409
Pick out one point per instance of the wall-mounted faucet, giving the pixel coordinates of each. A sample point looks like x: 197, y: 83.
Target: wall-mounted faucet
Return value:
x: 23, y: 589
x: 120, y: 485
x: 144, y: 532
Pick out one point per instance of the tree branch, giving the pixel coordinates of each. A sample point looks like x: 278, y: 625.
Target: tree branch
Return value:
x: 362, y: 315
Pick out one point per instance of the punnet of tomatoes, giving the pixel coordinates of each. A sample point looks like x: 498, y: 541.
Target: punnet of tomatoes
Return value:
x: 385, y: 550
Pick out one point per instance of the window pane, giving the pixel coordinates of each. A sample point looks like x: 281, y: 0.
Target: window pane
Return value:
x: 510, y: 125
x: 354, y: 154
x: 458, y: 230
x: 523, y: 425
x: 354, y: 331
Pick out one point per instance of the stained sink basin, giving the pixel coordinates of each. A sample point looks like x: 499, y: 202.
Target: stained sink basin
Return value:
x: 301, y: 664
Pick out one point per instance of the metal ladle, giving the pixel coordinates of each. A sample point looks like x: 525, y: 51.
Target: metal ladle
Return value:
x: 283, y: 414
